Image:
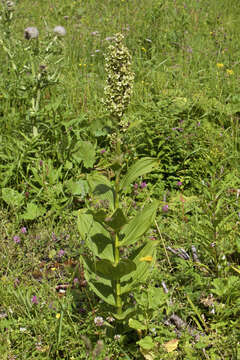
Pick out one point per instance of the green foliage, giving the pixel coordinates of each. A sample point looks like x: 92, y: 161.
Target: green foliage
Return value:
x: 64, y: 205
x: 97, y: 232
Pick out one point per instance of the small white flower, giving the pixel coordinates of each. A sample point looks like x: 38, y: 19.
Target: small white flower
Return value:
x: 110, y: 319
x: 99, y: 321
x: 59, y: 30
x: 117, y: 337
x: 10, y: 5
x: 22, y: 329
x: 31, y: 33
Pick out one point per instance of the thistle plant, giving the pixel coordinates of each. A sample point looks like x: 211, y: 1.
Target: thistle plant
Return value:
x: 108, y: 231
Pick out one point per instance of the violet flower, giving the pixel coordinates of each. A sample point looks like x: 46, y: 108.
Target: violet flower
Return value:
x: 16, y: 239
x: 34, y: 300
x: 165, y: 208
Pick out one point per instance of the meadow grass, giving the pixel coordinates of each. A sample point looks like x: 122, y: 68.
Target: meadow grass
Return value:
x: 56, y: 133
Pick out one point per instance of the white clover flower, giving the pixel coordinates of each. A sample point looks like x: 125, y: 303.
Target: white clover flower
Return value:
x: 59, y: 30
x: 31, y: 33
x: 99, y: 321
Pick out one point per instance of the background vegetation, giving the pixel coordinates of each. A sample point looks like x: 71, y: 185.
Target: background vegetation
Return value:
x: 55, y: 133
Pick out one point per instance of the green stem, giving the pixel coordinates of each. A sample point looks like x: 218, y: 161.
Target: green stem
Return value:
x: 116, y: 245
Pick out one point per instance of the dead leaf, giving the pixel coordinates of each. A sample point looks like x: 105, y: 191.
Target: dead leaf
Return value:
x: 171, y: 345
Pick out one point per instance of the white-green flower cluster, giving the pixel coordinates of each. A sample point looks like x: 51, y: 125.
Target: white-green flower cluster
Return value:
x: 120, y: 78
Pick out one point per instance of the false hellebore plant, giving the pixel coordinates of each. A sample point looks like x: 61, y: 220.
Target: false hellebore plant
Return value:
x: 106, y: 231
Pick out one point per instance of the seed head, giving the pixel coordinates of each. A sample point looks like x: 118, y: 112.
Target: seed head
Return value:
x: 31, y: 33
x: 59, y: 30
x: 10, y: 5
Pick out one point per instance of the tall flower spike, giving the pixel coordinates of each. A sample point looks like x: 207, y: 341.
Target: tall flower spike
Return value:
x: 119, y: 83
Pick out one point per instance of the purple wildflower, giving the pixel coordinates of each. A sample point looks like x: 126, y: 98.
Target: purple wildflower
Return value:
x: 16, y: 282
x: 102, y: 151
x: 34, y: 300
x: 75, y: 281
x: 40, y: 163
x: 179, y: 183
x: 135, y: 186
x: 61, y: 253
x: 165, y: 208
x: 143, y: 184
x: 16, y: 239
x: 23, y: 230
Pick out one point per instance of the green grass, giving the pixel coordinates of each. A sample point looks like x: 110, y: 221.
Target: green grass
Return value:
x: 184, y: 112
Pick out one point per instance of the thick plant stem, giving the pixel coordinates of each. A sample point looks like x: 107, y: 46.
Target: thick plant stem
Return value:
x: 116, y: 247
x: 118, y: 285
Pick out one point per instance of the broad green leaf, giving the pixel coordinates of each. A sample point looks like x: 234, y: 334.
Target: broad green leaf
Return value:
x: 129, y: 282
x: 118, y: 220
x: 85, y: 151
x: 33, y: 211
x: 141, y: 167
x: 146, y: 343
x: 137, y: 227
x: 106, y: 269
x: 125, y: 314
x: 101, y: 287
x: 156, y: 298
x: 96, y: 236
x: 101, y: 188
x: 137, y: 325
x: 12, y: 197
x: 79, y: 187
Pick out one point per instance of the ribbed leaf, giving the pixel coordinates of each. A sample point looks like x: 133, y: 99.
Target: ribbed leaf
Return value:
x: 137, y: 325
x: 85, y: 151
x: 125, y: 314
x: 101, y: 188
x: 102, y: 288
x: 33, y: 211
x: 96, y: 236
x: 141, y: 167
x: 12, y: 197
x: 118, y: 220
x: 106, y: 269
x: 128, y: 282
x: 136, y: 228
